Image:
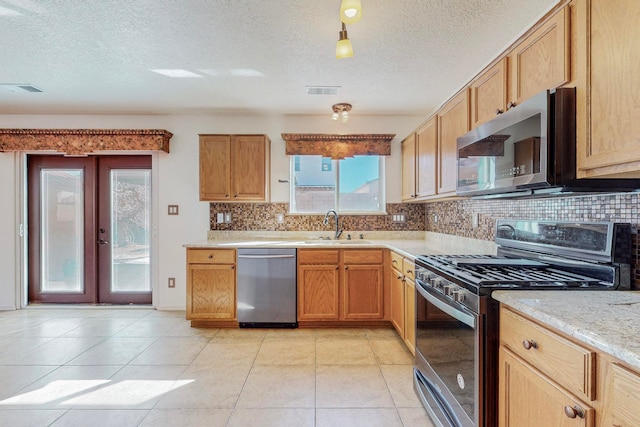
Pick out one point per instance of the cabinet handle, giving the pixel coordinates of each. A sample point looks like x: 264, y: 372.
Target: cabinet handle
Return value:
x: 499, y: 111
x: 573, y: 411
x: 511, y: 104
x: 529, y: 344
x: 400, y: 276
x: 394, y: 261
x: 409, y: 271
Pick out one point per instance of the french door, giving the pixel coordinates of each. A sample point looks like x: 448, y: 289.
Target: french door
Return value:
x: 89, y: 224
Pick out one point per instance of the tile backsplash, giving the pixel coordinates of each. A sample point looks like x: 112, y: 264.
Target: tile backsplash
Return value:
x: 463, y: 217
x: 264, y: 216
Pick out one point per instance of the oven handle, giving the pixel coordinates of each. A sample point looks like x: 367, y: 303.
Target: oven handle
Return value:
x: 459, y: 313
x: 430, y: 397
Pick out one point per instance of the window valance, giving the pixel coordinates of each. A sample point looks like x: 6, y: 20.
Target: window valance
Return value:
x: 76, y: 142
x: 337, y: 146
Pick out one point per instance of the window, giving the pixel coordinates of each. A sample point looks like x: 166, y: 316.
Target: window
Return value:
x: 350, y: 185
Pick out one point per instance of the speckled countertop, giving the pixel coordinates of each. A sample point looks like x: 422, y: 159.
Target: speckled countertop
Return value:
x: 607, y: 321
x: 408, y: 244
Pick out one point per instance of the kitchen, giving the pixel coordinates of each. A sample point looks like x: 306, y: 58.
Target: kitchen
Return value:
x: 469, y: 218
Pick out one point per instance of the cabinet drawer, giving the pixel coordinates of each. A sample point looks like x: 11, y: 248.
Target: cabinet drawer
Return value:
x: 567, y: 363
x: 211, y: 256
x: 396, y: 261
x: 363, y: 256
x: 318, y: 256
x: 408, y: 268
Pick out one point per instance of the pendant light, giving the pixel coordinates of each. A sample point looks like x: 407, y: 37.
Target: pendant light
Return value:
x: 343, y: 47
x: 350, y: 11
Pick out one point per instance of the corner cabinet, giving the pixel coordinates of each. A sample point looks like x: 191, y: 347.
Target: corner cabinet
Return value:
x: 338, y: 285
x: 608, y: 88
x: 234, y: 168
x: 211, y: 286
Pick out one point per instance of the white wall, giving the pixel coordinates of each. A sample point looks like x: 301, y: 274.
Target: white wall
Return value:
x: 177, y: 174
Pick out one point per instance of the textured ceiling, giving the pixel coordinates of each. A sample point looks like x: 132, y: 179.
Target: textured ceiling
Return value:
x: 95, y: 56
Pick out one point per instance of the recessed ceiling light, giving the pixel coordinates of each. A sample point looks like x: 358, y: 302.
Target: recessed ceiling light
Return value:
x: 176, y: 73
x: 5, y: 11
x: 20, y: 87
x: 322, y: 90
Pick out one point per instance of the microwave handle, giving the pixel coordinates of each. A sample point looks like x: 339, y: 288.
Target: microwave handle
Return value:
x: 458, y: 313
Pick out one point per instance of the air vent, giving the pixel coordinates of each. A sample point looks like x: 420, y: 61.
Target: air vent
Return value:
x: 322, y: 90
x: 19, y: 87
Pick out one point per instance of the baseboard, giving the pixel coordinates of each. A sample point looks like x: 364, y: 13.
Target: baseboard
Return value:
x: 8, y: 308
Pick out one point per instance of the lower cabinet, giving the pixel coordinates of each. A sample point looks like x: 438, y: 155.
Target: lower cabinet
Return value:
x: 211, y: 284
x: 340, y: 284
x: 402, y: 293
x: 549, y: 379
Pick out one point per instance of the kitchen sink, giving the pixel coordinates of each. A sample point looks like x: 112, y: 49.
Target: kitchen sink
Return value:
x: 337, y: 242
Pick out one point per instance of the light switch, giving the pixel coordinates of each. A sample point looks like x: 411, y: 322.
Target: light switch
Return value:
x: 173, y: 210
x: 227, y: 217
x: 220, y: 218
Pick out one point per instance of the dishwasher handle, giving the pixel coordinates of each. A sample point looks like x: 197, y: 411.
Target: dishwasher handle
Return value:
x: 265, y: 256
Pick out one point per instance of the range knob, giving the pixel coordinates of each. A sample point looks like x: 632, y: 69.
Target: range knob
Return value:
x: 437, y: 282
x: 450, y: 289
x: 459, y: 295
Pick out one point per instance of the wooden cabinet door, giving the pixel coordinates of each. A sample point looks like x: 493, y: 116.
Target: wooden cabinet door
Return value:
x: 397, y: 303
x: 426, y: 156
x: 318, y: 292
x: 410, y: 315
x: 211, y: 292
x: 362, y: 296
x: 489, y: 94
x: 250, y: 162
x: 541, y: 61
x: 622, y: 399
x: 453, y: 121
x: 408, y: 150
x: 215, y: 167
x: 528, y: 399
x: 608, y: 95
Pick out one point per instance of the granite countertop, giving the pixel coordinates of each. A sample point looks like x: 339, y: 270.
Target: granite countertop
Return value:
x: 408, y: 244
x: 606, y: 320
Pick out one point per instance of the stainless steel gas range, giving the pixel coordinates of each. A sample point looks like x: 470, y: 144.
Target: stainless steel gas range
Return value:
x: 455, y: 372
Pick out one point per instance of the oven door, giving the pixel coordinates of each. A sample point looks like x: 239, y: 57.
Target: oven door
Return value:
x: 446, y: 377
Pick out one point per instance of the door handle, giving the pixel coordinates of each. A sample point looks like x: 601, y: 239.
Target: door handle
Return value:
x: 102, y: 242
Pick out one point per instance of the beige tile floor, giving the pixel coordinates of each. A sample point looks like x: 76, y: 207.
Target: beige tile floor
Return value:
x: 140, y: 367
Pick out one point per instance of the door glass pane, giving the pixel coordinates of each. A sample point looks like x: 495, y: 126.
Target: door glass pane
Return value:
x: 360, y: 186
x: 61, y: 241
x: 314, y: 184
x: 130, y: 225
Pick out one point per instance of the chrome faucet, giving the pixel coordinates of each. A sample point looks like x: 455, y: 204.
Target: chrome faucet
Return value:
x: 326, y: 222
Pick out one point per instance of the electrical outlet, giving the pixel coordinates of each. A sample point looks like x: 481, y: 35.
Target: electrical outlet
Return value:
x: 172, y: 210
x: 220, y: 218
x: 435, y: 218
x: 227, y: 217
x: 172, y: 282
x: 475, y: 220
x: 280, y: 218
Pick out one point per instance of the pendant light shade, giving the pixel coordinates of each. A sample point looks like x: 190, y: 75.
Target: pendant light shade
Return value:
x: 350, y: 11
x: 343, y: 47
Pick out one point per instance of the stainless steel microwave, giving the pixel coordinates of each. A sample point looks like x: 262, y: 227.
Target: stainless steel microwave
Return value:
x: 529, y: 150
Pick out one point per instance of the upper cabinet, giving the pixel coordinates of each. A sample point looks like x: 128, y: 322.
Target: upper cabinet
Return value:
x: 541, y: 60
x: 419, y: 162
x: 489, y: 94
x: 234, y: 168
x: 453, y: 121
x: 607, y: 42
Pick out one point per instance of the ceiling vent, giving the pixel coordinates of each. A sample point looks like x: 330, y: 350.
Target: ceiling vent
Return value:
x: 13, y: 87
x: 322, y: 90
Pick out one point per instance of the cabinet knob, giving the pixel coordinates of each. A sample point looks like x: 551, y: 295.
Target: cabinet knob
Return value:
x: 499, y: 111
x: 226, y: 196
x: 235, y: 196
x: 211, y: 256
x: 346, y: 268
x: 529, y: 344
x: 573, y: 411
x: 511, y: 104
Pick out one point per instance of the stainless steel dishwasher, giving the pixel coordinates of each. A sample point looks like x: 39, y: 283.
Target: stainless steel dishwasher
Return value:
x: 267, y: 288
